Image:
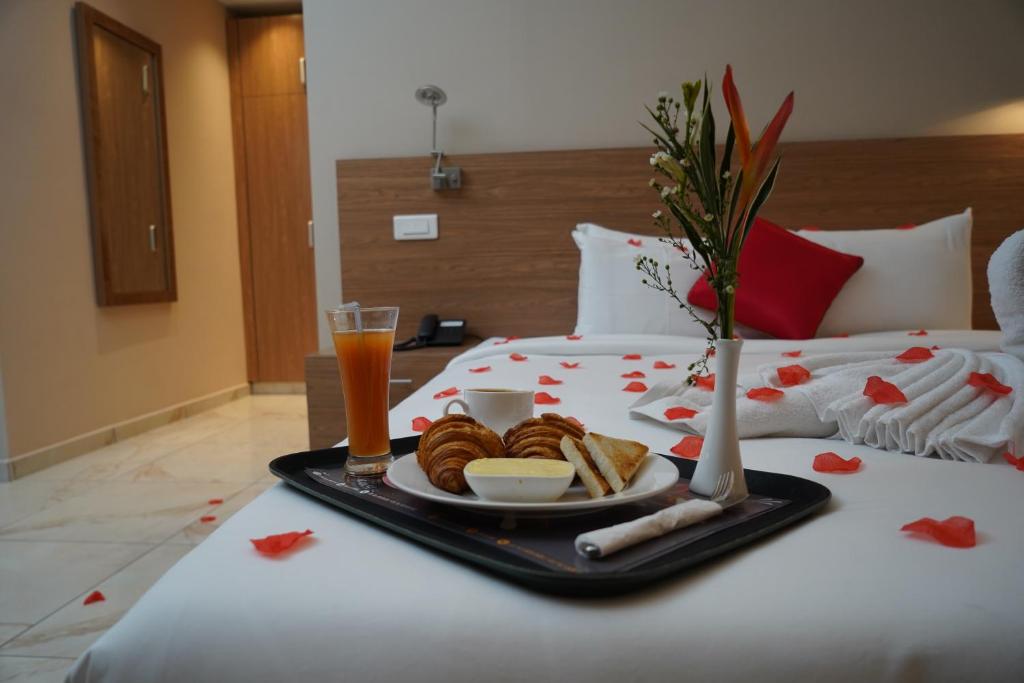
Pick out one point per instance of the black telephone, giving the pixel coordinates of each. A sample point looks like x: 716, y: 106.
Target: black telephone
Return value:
x: 435, y: 332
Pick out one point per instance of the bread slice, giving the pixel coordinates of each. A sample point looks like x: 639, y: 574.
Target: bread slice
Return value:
x: 576, y: 453
x: 618, y: 459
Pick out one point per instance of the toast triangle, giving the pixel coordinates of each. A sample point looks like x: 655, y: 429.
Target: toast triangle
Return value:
x: 617, y: 459
x: 576, y: 453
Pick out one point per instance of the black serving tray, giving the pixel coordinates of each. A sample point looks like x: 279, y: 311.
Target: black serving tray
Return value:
x: 489, y: 542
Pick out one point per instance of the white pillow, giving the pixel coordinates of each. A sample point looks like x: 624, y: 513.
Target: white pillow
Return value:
x: 911, y: 279
x: 612, y: 296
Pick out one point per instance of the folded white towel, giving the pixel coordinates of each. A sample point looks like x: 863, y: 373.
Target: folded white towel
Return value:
x: 943, y: 414
x: 1006, y: 288
x: 615, y: 538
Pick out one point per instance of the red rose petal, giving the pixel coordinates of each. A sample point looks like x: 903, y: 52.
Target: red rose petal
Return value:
x: 517, y: 356
x: 1016, y: 462
x: 915, y: 354
x: 482, y: 368
x: 833, y: 462
x: 420, y: 424
x: 636, y: 374
x: 450, y: 391
x: 543, y: 398
x: 632, y: 356
x: 985, y: 380
x: 548, y: 380
x: 512, y: 338
x: 634, y: 242
x: 791, y: 354
x: 712, y: 351
x: 880, y: 391
x: 569, y: 366
x: 215, y: 501
x: 573, y: 420
x: 662, y: 365
x: 574, y: 337
x: 636, y: 387
x: 95, y: 596
x: 278, y: 543
x: 935, y: 347
x: 919, y: 333
x: 679, y: 413
x: 792, y: 375
x: 689, y: 447
x: 706, y: 382
x: 906, y: 226
x: 955, y: 532
x: 206, y: 519
x: 765, y: 394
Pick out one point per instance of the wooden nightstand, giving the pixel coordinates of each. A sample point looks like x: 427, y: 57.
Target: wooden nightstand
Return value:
x: 409, y: 371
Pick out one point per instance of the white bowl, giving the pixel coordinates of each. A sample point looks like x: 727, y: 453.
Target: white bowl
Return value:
x: 518, y: 480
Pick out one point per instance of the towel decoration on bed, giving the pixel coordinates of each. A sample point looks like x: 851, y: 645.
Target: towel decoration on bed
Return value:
x: 1006, y: 287
x: 954, y: 403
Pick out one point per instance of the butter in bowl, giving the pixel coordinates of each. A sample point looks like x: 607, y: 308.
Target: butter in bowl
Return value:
x: 519, y: 480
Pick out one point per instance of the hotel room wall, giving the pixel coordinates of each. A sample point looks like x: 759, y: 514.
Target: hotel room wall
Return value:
x: 536, y: 75
x: 69, y: 366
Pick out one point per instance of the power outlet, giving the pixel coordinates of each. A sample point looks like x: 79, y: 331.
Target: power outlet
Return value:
x: 415, y: 227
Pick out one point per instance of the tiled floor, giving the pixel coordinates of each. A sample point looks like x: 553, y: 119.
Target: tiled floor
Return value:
x: 116, y: 519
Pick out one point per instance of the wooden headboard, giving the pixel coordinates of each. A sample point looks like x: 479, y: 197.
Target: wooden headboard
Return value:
x: 506, y: 261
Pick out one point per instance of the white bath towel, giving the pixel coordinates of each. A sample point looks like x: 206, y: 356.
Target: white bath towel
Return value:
x: 1006, y: 288
x: 944, y: 415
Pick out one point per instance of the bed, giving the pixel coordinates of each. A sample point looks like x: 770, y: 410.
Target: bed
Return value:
x: 843, y: 596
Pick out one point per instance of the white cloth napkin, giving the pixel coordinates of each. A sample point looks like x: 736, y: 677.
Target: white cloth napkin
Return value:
x: 943, y: 415
x: 614, y: 538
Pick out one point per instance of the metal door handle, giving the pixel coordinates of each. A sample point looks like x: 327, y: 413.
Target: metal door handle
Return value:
x: 309, y: 233
x: 302, y: 70
x: 401, y: 381
x: 152, y: 238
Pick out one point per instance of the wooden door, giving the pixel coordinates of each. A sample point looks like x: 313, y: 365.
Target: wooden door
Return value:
x: 122, y: 98
x: 275, y: 209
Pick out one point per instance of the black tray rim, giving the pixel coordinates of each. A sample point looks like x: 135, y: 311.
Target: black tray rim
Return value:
x: 812, y: 497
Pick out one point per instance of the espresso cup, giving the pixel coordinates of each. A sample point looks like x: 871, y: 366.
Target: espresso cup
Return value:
x: 498, y: 409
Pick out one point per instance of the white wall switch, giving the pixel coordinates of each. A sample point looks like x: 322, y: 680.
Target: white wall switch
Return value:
x: 419, y: 227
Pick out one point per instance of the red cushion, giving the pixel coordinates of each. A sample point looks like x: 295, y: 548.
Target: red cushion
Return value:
x: 786, y: 282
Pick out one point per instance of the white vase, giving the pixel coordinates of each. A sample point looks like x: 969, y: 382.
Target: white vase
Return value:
x: 721, y: 450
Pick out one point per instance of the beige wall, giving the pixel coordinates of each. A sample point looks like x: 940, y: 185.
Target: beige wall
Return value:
x: 69, y: 367
x: 556, y: 74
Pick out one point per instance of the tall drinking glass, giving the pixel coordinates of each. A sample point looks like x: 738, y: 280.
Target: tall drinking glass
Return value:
x: 363, y: 339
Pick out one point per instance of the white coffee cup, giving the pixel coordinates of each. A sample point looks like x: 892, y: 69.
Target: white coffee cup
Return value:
x: 498, y: 409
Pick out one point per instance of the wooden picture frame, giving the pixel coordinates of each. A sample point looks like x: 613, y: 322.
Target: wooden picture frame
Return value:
x: 125, y: 143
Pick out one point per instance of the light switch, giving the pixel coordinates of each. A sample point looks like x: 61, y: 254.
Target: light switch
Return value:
x: 418, y: 227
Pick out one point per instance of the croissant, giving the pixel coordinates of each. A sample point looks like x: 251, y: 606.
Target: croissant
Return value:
x: 449, y: 444
x: 540, y: 437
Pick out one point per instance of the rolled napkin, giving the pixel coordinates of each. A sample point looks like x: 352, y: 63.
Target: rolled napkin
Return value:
x: 614, y: 538
x: 1006, y: 288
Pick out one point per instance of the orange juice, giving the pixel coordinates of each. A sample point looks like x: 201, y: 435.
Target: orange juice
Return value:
x: 364, y: 359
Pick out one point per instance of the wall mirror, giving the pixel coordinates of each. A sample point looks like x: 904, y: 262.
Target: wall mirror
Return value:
x: 125, y: 143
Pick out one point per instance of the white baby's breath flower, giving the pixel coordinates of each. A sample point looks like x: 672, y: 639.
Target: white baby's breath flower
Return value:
x: 730, y: 289
x: 652, y: 182
x: 686, y: 163
x: 656, y: 215
x: 726, y: 175
x: 665, y: 192
x: 708, y: 217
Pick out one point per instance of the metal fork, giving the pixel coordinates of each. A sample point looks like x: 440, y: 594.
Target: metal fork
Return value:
x: 720, y: 495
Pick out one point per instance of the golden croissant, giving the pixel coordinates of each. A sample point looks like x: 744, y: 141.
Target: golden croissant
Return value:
x: 449, y: 444
x: 540, y: 437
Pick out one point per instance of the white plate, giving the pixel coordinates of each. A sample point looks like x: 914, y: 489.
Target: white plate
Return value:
x: 656, y: 475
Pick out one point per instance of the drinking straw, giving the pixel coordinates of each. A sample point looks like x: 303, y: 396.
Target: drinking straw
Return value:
x: 354, y: 305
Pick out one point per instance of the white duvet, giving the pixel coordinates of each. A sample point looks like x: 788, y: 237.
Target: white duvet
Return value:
x: 843, y: 596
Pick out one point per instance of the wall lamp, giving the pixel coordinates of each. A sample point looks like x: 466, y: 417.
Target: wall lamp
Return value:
x: 441, y: 177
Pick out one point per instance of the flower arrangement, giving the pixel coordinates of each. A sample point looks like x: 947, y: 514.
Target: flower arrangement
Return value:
x: 709, y: 209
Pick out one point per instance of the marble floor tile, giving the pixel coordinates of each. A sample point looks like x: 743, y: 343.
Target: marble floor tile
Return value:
x: 39, y: 577
x: 70, y: 630
x: 264, y: 405
x: 9, y: 631
x: 113, y: 461
x: 24, y: 497
x: 121, y: 511
x: 33, y: 669
x: 230, y: 464
x: 197, y: 531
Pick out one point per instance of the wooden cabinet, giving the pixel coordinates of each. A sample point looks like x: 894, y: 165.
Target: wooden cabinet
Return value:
x: 273, y: 194
x: 126, y: 160
x: 410, y: 370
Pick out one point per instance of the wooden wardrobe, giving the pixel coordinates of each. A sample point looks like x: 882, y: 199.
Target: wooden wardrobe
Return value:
x: 268, y: 98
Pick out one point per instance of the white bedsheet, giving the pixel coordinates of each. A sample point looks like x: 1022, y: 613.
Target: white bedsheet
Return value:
x: 843, y: 596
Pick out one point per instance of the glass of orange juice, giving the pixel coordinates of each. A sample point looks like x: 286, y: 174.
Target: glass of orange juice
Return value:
x: 363, y: 339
